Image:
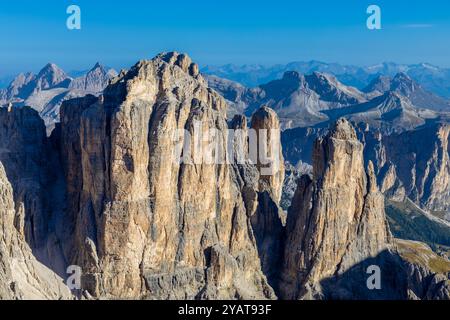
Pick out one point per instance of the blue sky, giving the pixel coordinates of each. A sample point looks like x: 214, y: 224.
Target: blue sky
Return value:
x: 118, y: 33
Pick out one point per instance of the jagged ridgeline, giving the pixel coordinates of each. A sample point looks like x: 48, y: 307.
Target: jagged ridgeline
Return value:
x: 105, y: 192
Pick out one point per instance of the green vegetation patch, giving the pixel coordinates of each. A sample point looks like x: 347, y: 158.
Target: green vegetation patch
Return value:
x: 407, y: 222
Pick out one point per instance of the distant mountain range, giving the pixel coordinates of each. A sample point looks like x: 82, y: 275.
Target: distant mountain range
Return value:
x: 432, y: 78
x: 46, y: 90
x: 404, y: 127
x: 391, y: 104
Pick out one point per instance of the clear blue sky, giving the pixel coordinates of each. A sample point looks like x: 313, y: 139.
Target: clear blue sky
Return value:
x: 118, y: 33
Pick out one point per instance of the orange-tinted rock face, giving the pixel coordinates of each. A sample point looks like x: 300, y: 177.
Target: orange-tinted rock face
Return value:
x: 146, y: 221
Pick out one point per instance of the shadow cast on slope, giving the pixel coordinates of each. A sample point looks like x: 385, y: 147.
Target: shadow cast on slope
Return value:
x: 394, y: 279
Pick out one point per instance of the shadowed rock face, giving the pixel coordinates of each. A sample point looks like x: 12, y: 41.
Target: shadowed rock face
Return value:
x: 24, y: 153
x: 21, y: 275
x: 423, y: 167
x: 147, y: 225
x: 336, y: 219
x: 414, y: 165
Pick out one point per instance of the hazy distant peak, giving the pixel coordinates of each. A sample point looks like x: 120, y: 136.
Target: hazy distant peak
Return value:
x: 323, y: 78
x: 430, y: 77
x: 402, y: 76
x: 402, y: 79
x: 401, y: 82
x: 330, y: 89
x: 427, y: 66
x: 21, y: 79
x: 95, y: 80
x: 379, y: 84
x: 292, y: 75
x: 51, y: 76
x: 51, y: 68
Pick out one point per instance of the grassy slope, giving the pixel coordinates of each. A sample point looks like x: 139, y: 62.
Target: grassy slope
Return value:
x: 407, y: 222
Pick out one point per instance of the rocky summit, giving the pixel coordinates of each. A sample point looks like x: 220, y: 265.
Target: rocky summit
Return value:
x: 337, y: 217
x: 125, y: 191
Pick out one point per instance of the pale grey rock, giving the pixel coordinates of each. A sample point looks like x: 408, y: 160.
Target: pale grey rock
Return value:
x: 95, y: 80
x: 407, y: 87
x: 46, y: 91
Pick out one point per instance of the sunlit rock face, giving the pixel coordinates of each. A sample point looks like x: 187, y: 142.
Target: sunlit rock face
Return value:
x: 124, y: 189
x: 147, y: 225
x: 336, y: 219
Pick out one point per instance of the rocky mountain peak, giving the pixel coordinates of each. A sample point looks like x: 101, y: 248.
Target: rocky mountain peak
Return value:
x: 51, y: 76
x: 187, y: 223
x: 320, y: 81
x: 108, y: 192
x: 98, y: 68
x: 53, y: 72
x: 395, y: 101
x: 322, y: 77
x: 170, y: 74
x: 292, y: 76
x: 19, y: 87
x: 265, y: 117
x: 379, y: 84
x: 404, y: 84
x: 97, y: 65
x: 181, y: 60
x: 21, y: 79
x: 330, y: 89
x: 279, y: 89
x: 317, y: 249
x: 343, y: 130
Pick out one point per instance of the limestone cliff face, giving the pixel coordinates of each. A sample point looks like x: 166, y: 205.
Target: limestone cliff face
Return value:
x: 268, y: 218
x: 21, y: 275
x: 145, y: 224
x: 266, y: 125
x: 423, y: 166
x: 24, y: 154
x: 413, y: 164
x: 336, y: 219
